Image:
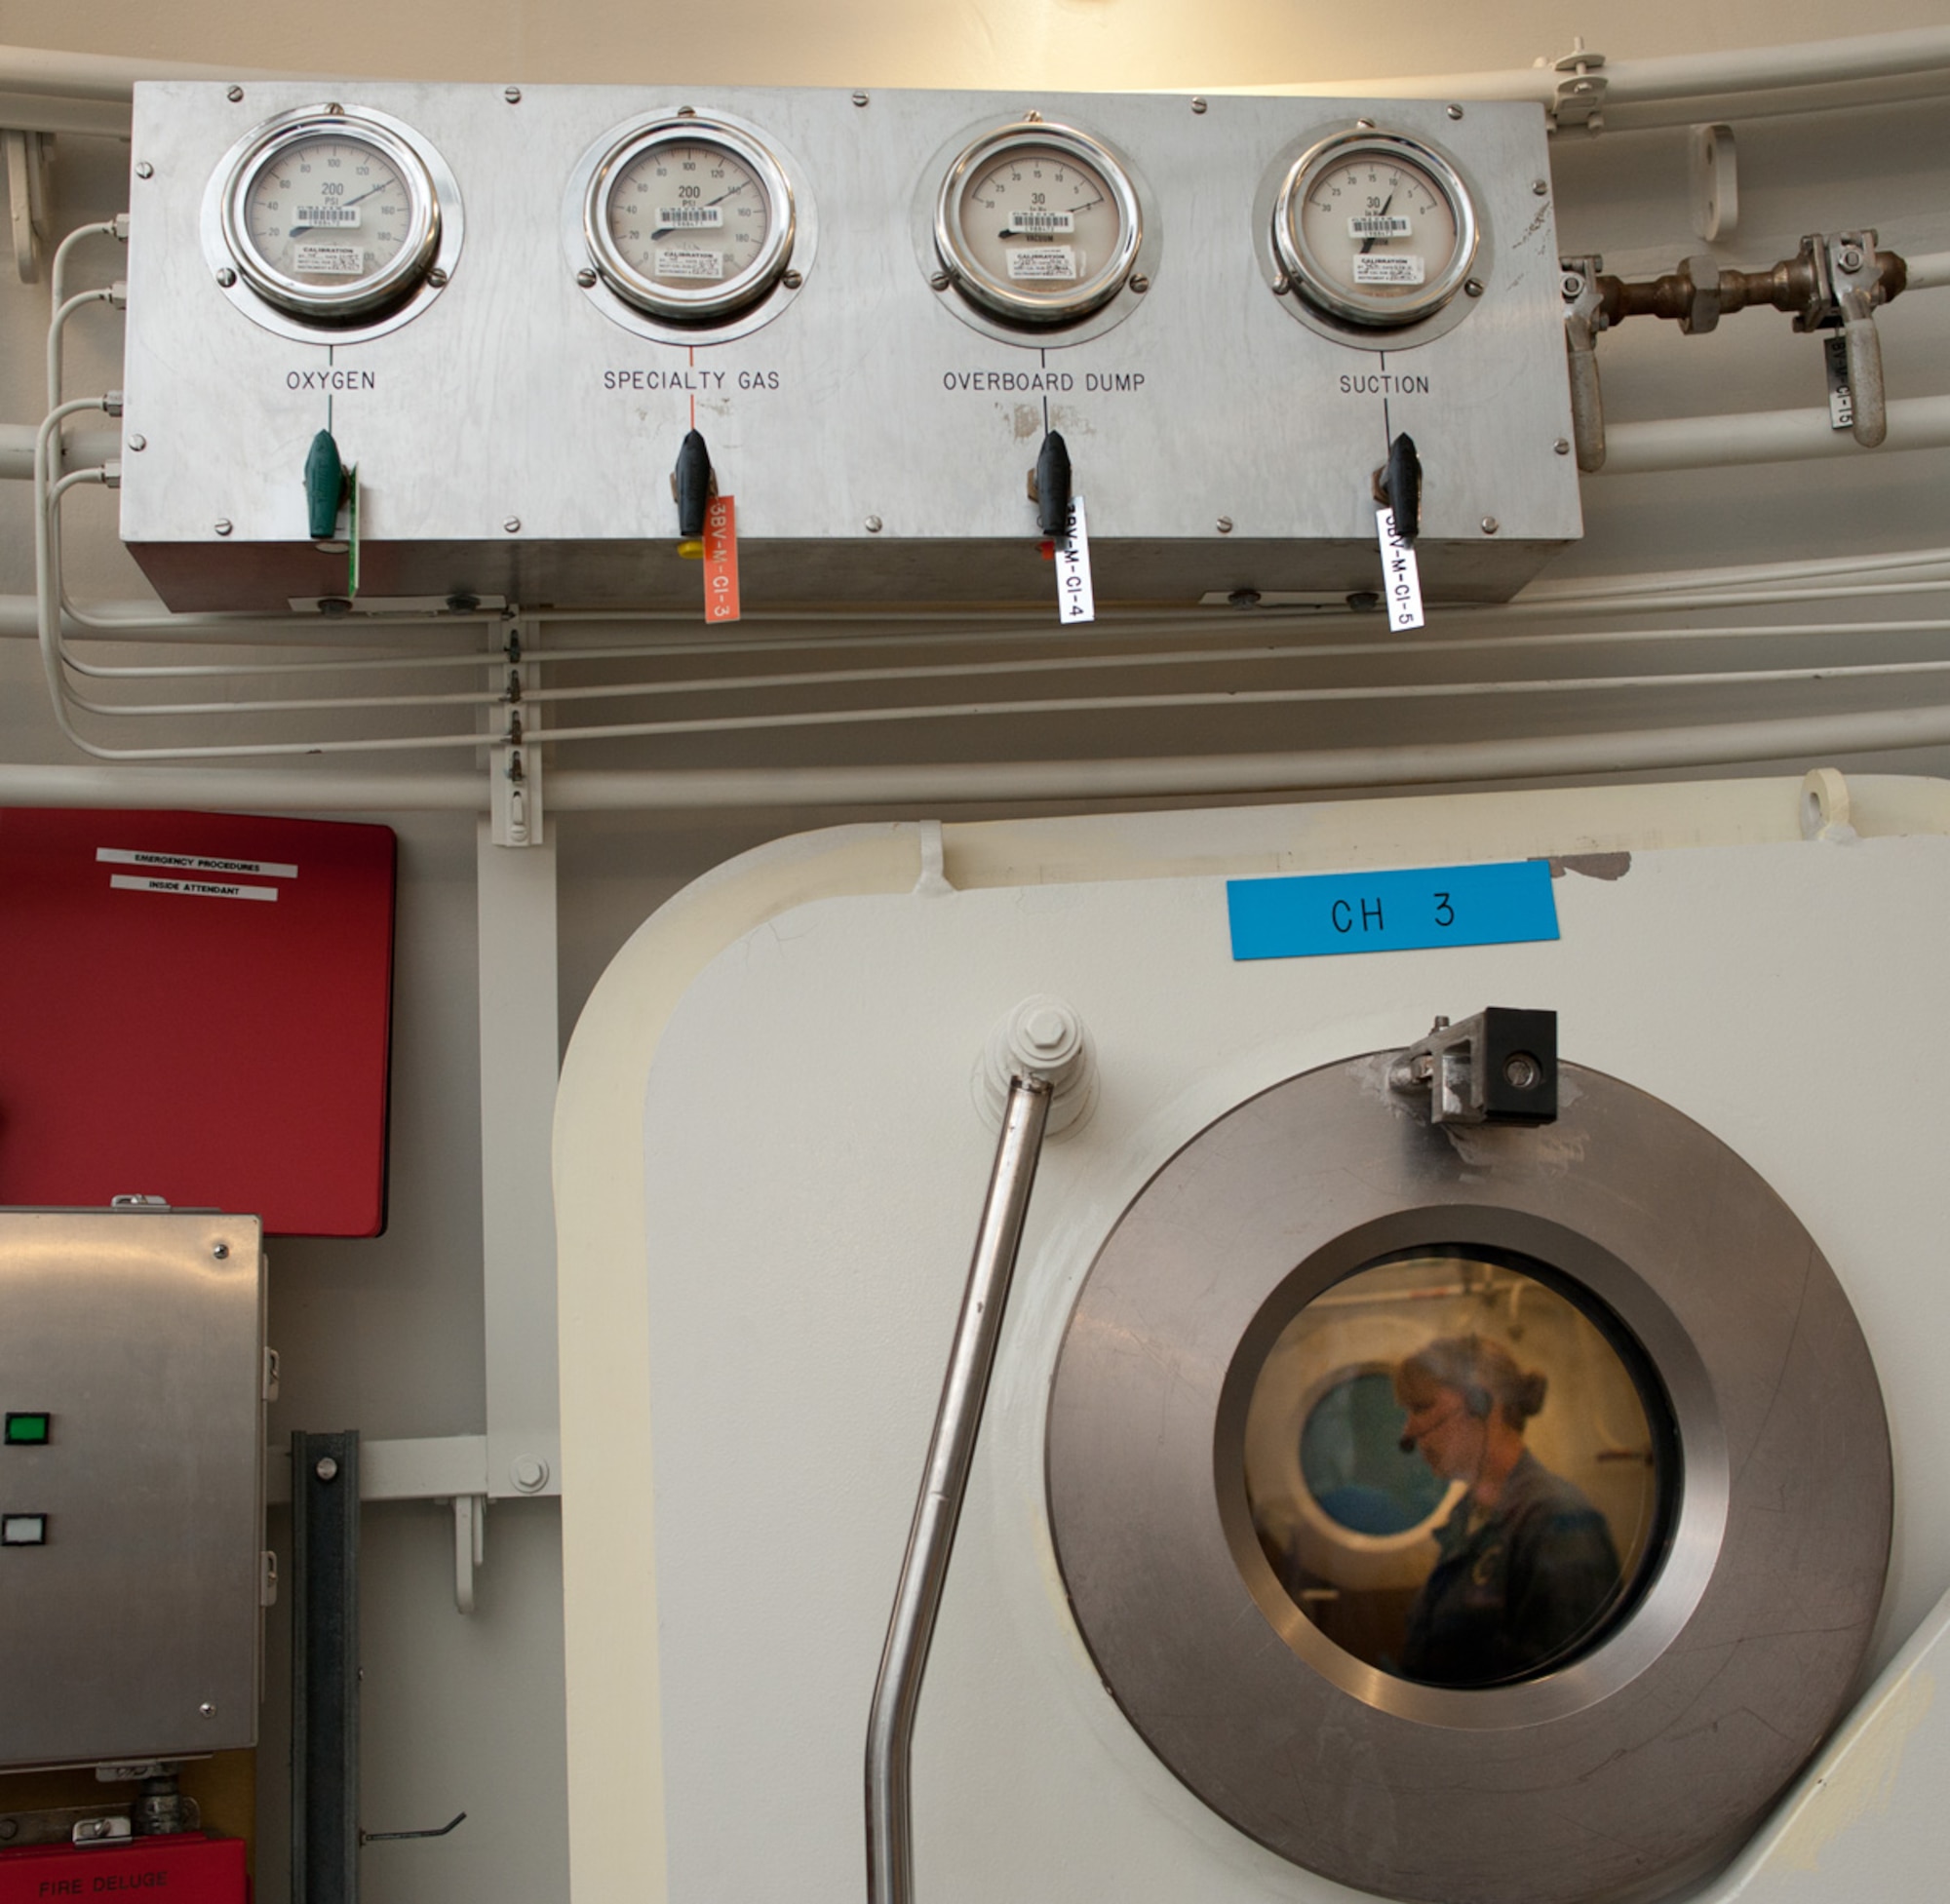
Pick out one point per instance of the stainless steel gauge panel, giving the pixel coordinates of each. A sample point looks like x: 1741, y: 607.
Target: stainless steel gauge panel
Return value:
x: 275, y: 223
x: 519, y: 395
x: 1071, y: 199
x: 1638, y: 1765
x: 681, y: 170
x: 1343, y: 265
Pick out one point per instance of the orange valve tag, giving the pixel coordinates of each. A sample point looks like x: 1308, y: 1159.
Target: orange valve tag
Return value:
x: 721, y: 558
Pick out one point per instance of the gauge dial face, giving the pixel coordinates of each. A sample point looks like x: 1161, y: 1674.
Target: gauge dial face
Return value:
x: 689, y: 219
x: 1039, y: 223
x: 331, y: 217
x: 1375, y: 229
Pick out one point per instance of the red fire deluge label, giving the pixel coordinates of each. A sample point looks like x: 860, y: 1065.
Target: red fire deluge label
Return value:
x: 721, y: 558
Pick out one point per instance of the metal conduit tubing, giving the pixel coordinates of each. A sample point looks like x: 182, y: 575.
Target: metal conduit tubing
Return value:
x: 1928, y: 270
x: 951, y: 1454
x: 1772, y: 436
x: 1012, y: 710
x: 16, y: 448
x: 1581, y: 757
x: 1085, y: 704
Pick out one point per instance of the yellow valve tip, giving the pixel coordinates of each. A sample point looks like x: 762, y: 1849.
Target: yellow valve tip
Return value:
x: 692, y: 551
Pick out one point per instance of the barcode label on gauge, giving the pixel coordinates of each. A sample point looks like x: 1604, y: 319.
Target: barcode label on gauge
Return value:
x: 690, y: 215
x: 686, y: 264
x: 328, y: 215
x: 328, y: 260
x: 1039, y: 222
x: 1378, y: 224
x: 1388, y: 268
x: 1043, y: 262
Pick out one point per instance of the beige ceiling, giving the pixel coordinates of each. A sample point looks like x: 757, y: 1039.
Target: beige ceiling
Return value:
x: 1065, y: 44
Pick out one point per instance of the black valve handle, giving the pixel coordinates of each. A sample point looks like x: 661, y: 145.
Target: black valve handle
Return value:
x: 690, y: 484
x: 1052, y: 484
x: 1398, y: 483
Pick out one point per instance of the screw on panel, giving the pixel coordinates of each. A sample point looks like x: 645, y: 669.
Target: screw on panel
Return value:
x: 586, y: 278
x: 335, y: 110
x: 939, y: 281
x: 513, y: 526
x: 138, y: 442
x: 1198, y: 105
x: 859, y: 99
x: 686, y: 112
x: 1474, y: 287
x: 1541, y: 187
x: 1282, y: 284
x: 512, y: 93
x: 437, y: 276
x: 234, y: 94
x: 1491, y: 526
x: 226, y: 277
x: 1243, y: 598
x: 1562, y: 445
x: 327, y: 1468
x: 792, y: 280
x: 220, y: 1251
x: 1364, y: 124
x: 1031, y: 117
x: 1224, y: 525
x: 208, y: 1709
x: 873, y: 526
x: 1140, y: 283
x: 145, y: 170
x: 1455, y: 111
x: 222, y: 525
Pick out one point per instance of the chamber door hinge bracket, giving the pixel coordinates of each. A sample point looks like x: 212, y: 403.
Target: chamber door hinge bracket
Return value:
x: 1579, y: 98
x: 1497, y: 1068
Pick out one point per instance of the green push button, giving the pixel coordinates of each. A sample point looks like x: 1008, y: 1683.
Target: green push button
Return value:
x: 27, y: 1430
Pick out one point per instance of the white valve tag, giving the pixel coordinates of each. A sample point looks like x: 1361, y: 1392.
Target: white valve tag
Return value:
x: 1401, y: 580
x: 1075, y: 601
x: 1841, y: 398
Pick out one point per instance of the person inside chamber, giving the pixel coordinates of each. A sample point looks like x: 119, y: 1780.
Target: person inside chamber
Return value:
x: 1525, y: 1566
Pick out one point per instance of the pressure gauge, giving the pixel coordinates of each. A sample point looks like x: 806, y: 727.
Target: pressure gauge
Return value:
x: 1039, y: 223
x: 689, y: 219
x: 1375, y: 229
x: 331, y: 214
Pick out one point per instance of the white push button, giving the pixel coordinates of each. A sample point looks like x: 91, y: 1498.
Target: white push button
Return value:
x: 23, y: 1530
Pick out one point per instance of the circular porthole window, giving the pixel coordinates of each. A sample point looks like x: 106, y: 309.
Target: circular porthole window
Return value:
x: 1445, y: 1506
x: 1457, y: 1471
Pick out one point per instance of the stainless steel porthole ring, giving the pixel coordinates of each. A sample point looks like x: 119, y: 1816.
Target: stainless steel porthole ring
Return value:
x: 672, y: 301
x: 952, y: 245
x: 1310, y: 278
x: 1641, y: 1762
x: 322, y: 303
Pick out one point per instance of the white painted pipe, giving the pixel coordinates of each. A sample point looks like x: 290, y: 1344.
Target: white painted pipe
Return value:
x: 1768, y: 436
x: 17, y: 449
x: 1927, y: 270
x: 1577, y: 758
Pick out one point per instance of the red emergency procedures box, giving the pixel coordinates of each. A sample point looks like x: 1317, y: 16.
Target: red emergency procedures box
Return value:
x: 188, y: 1868
x: 197, y: 1008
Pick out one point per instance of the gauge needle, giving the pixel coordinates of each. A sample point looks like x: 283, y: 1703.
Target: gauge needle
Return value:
x: 664, y: 232
x: 1368, y: 243
x: 298, y: 231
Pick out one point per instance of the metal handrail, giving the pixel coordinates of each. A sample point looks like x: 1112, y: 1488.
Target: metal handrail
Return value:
x: 949, y: 1455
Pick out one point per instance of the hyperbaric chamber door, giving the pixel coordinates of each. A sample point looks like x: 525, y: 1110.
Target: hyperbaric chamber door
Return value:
x: 1375, y: 1594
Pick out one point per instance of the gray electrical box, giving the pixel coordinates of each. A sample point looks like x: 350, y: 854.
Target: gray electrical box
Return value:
x: 131, y: 1565
x: 511, y: 335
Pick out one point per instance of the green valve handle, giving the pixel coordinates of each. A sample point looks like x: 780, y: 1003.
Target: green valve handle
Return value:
x: 325, y: 486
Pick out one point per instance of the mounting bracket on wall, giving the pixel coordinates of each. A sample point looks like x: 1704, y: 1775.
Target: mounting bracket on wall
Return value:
x: 1497, y: 1067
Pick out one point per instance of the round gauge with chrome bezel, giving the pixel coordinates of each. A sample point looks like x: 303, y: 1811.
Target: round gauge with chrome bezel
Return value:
x: 333, y: 216
x: 689, y: 218
x: 1375, y: 229
x: 1039, y: 223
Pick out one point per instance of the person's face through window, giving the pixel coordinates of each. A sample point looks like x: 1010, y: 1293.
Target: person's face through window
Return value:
x: 1448, y: 1437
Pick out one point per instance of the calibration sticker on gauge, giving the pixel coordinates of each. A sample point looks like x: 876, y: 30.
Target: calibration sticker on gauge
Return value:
x: 1313, y: 914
